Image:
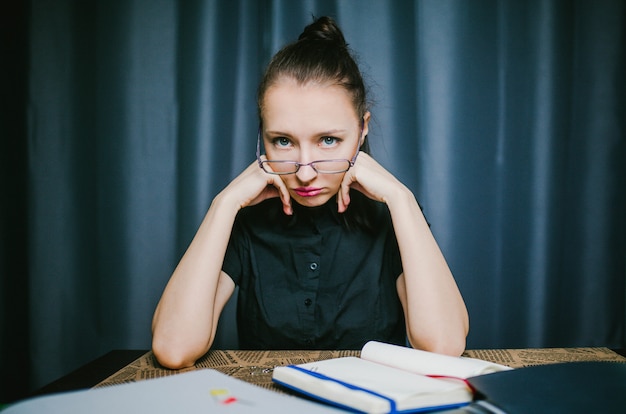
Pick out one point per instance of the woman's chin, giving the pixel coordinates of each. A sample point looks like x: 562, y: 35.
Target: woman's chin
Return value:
x: 313, y: 201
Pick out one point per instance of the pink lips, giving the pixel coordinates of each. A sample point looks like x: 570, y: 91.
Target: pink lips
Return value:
x: 307, y: 191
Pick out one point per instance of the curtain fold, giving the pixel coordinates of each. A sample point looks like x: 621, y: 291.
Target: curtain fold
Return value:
x: 505, y: 118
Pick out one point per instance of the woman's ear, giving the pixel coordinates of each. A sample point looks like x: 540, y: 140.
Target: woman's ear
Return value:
x: 365, y: 130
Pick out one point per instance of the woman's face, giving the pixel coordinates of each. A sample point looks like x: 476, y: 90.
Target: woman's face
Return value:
x: 306, y: 123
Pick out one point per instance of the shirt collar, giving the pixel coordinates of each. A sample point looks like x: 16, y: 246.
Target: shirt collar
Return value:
x: 318, y: 215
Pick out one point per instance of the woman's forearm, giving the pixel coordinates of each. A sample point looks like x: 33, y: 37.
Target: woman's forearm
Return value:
x: 436, y: 316
x: 185, y: 319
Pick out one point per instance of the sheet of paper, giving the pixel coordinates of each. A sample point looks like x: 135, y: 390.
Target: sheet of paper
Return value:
x: 200, y: 391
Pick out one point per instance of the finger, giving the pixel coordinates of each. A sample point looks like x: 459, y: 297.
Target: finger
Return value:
x: 287, y: 209
x: 343, y: 198
x: 284, y: 195
x: 278, y: 183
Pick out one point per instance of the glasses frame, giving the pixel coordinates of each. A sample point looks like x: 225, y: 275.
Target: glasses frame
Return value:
x: 311, y: 164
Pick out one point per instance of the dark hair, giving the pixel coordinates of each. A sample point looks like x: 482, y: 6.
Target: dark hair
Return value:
x: 322, y: 55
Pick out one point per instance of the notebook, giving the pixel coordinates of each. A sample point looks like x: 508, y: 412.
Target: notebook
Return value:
x: 571, y: 387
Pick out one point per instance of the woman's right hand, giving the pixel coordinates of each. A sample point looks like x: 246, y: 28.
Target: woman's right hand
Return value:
x: 254, y: 185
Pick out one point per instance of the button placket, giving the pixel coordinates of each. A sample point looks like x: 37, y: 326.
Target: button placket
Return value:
x: 309, y: 268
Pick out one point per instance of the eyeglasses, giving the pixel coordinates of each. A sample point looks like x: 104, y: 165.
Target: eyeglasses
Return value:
x: 283, y: 167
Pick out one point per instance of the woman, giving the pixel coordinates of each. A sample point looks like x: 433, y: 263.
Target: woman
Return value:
x: 329, y: 249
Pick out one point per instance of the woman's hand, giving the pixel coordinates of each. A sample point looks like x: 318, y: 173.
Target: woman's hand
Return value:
x: 370, y: 178
x: 254, y: 185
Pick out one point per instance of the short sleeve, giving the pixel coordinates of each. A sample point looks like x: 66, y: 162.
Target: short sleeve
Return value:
x: 235, y: 251
x: 392, y: 250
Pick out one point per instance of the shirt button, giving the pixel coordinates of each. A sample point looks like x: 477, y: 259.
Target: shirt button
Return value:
x: 313, y: 266
x: 307, y: 302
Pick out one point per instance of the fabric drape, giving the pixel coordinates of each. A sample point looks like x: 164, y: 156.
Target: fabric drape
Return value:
x: 505, y: 118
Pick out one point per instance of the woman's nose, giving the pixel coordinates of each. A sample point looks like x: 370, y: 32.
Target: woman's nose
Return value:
x: 306, y: 173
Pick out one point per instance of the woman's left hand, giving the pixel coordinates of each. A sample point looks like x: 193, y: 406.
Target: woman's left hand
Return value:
x: 370, y: 178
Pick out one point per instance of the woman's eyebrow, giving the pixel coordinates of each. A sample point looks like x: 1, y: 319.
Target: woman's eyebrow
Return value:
x: 278, y: 133
x: 317, y: 134
x: 332, y: 132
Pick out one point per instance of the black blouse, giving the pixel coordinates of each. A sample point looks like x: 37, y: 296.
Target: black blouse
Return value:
x: 309, y: 282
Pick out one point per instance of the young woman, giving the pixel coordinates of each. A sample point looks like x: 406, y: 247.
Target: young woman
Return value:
x: 329, y: 249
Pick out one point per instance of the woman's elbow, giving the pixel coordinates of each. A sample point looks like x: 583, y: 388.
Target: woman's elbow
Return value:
x: 170, y: 356
x: 450, y: 347
x: 447, y: 344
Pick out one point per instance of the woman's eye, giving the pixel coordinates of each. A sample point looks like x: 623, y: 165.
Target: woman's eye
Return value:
x: 328, y: 141
x: 281, y: 142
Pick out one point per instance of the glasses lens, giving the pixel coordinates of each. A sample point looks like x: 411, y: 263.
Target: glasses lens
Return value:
x: 280, y: 167
x: 290, y: 167
x: 331, y: 166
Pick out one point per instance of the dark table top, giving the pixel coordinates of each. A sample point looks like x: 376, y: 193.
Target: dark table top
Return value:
x: 93, y: 372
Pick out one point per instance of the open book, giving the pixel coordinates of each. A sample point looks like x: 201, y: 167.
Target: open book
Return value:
x: 387, y: 379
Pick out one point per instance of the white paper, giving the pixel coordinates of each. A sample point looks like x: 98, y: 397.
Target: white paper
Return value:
x: 202, y: 391
x: 427, y: 363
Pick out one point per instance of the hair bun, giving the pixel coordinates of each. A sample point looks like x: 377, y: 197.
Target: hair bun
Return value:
x: 324, y: 28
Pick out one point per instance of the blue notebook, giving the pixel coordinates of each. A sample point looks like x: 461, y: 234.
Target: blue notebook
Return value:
x: 387, y: 379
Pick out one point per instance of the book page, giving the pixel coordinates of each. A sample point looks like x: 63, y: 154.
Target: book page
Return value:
x: 427, y: 363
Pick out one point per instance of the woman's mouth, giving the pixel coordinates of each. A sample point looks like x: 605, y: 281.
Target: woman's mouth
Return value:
x: 307, y: 191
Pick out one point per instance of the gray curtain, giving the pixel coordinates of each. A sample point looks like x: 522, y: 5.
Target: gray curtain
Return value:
x: 505, y: 118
